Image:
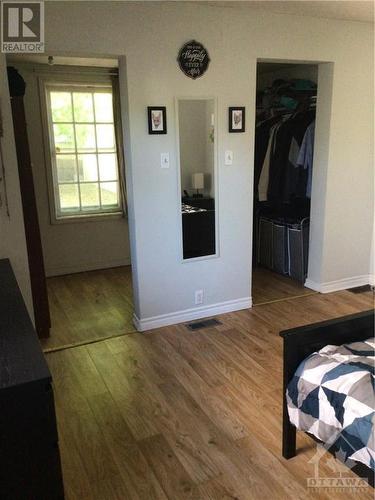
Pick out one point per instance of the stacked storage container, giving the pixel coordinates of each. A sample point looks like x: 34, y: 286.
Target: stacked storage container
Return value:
x: 283, y: 246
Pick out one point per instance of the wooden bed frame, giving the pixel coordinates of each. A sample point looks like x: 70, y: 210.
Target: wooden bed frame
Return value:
x: 303, y: 341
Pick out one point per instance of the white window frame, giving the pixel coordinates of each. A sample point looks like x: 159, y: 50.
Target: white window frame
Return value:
x: 70, y: 84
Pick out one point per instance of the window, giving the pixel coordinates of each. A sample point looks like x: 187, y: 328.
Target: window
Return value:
x: 83, y: 150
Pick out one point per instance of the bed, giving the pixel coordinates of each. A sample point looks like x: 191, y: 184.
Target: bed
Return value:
x: 322, y: 364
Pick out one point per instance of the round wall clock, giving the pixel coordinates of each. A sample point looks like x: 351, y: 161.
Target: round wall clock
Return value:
x: 193, y: 59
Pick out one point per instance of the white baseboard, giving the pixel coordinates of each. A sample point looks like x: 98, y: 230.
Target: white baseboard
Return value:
x: 343, y: 284
x: 191, y: 314
x: 372, y: 279
x: 82, y: 267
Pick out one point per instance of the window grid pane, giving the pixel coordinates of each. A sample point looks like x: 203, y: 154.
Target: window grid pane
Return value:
x: 107, y: 164
x: 69, y: 197
x: 90, y: 195
x: 83, y: 106
x: 86, y: 138
x: 109, y: 193
x: 106, y: 186
x: 75, y: 141
x: 87, y: 168
x: 96, y: 142
x: 104, y: 107
x: 81, y: 123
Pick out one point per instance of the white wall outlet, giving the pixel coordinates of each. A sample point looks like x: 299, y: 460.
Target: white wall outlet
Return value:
x: 164, y: 160
x: 198, y: 296
x: 228, y: 157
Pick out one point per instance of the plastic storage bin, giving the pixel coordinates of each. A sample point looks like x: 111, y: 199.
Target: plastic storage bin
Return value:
x: 265, y: 246
x: 283, y: 246
x: 280, y: 256
x: 298, y: 249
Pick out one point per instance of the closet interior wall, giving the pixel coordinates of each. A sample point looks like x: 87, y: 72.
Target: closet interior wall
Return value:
x: 283, y: 163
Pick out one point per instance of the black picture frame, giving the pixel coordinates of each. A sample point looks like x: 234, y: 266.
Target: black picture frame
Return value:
x: 193, y: 59
x: 154, y: 113
x: 233, y: 113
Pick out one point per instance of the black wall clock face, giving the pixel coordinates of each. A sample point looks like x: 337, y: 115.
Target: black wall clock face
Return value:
x: 193, y: 59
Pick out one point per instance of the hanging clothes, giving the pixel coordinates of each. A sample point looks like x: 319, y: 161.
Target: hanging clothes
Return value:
x: 295, y: 179
x: 280, y: 177
x: 262, y: 134
x: 278, y: 161
x: 265, y: 171
x: 306, y: 154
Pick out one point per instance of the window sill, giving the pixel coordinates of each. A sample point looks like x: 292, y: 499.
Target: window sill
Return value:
x: 73, y: 219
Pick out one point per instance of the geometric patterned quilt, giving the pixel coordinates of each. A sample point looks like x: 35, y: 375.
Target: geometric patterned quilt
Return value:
x: 332, y: 396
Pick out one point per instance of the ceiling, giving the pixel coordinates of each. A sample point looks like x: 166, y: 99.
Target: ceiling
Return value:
x: 348, y: 10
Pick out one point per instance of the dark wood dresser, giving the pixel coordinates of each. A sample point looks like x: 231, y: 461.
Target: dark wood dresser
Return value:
x: 30, y: 466
x: 198, y: 229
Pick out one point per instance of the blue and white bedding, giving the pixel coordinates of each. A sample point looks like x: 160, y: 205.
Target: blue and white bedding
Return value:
x: 188, y: 209
x: 332, y: 396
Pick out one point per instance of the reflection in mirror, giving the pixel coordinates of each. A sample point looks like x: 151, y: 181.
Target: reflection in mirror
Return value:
x: 197, y: 160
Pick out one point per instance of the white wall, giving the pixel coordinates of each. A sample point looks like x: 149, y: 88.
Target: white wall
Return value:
x: 150, y: 35
x: 196, y: 149
x: 372, y: 251
x: 74, y: 246
x: 12, y: 232
x: 372, y: 261
x: 209, y: 135
x: 192, y: 121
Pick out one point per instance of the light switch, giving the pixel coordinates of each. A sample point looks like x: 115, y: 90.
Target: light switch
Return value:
x: 164, y: 160
x: 228, y: 158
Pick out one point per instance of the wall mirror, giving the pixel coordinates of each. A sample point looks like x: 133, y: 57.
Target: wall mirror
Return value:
x: 196, y: 119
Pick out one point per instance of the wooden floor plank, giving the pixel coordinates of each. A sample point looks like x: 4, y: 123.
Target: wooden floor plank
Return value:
x: 214, y: 443
x: 176, y: 414
x: 268, y: 286
x: 138, y: 478
x: 76, y: 481
x: 97, y: 304
x: 89, y: 306
x: 136, y: 403
x: 171, y: 475
x: 201, y: 391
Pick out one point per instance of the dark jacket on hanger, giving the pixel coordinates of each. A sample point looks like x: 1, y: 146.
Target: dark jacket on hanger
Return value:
x: 283, y: 178
x: 295, y: 178
x: 262, y: 135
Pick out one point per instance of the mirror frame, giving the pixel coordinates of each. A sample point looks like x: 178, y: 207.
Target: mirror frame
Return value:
x: 215, y: 172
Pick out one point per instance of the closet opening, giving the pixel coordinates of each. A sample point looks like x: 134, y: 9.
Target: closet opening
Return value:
x: 283, y: 163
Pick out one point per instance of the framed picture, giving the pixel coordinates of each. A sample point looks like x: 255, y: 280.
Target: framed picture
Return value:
x: 236, y: 119
x: 157, y: 119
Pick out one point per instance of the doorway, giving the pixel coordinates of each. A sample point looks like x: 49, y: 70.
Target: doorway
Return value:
x: 283, y: 162
x: 73, y: 118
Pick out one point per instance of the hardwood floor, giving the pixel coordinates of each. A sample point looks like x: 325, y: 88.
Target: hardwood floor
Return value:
x: 98, y: 304
x: 269, y: 286
x: 174, y: 414
x: 89, y: 306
